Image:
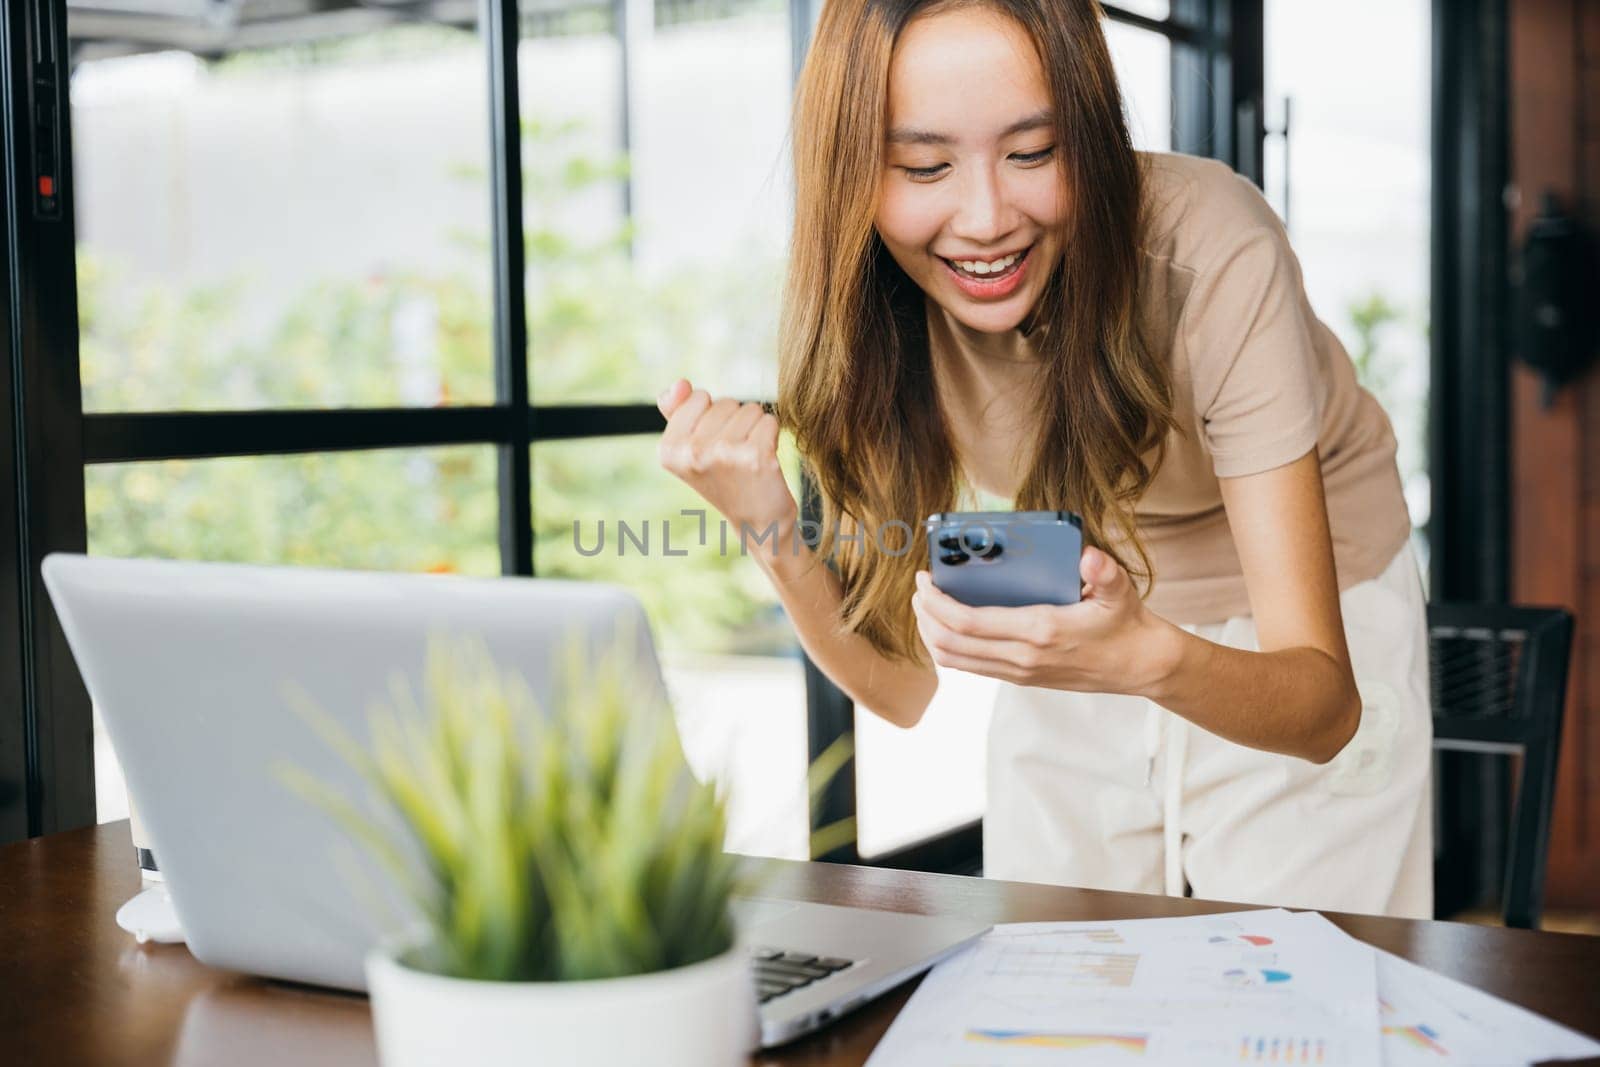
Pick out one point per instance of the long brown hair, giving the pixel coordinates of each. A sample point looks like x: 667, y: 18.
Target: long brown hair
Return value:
x: 855, y: 384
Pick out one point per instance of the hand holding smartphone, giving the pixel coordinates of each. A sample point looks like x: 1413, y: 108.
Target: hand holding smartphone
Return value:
x: 1006, y: 558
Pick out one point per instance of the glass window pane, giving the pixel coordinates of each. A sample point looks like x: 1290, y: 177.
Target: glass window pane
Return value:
x: 605, y: 510
x: 1153, y: 9
x: 914, y: 784
x: 301, y: 224
x: 1354, y: 183
x: 664, y: 258
x: 1143, y: 60
x: 432, y: 509
x: 574, y: 201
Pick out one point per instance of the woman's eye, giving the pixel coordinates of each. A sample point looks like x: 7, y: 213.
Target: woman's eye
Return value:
x: 1026, y: 159
x: 925, y: 174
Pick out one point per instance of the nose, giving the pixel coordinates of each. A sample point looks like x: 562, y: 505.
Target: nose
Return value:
x: 984, y: 214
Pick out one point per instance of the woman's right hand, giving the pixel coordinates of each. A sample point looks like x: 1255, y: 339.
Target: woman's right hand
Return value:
x: 728, y: 453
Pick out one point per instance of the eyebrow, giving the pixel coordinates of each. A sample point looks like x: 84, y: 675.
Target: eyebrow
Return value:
x: 909, y: 135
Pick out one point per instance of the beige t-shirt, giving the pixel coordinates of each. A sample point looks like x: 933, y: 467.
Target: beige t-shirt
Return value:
x: 1257, y: 379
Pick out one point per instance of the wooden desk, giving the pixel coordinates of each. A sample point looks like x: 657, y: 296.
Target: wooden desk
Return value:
x: 75, y: 989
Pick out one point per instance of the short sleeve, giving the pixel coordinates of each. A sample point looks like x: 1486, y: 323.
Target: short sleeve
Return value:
x: 1253, y: 362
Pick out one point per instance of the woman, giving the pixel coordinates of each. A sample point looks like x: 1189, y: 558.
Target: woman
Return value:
x: 989, y: 290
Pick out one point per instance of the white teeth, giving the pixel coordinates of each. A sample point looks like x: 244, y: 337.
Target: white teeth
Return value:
x: 973, y: 266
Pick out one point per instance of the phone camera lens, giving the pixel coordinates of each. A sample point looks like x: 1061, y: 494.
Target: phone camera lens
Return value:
x: 950, y: 540
x: 952, y: 559
x: 981, y: 542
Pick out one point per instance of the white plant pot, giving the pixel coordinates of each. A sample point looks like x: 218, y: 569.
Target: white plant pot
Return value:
x: 702, y: 1015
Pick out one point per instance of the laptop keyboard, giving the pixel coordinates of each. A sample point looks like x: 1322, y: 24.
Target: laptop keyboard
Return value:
x: 779, y: 972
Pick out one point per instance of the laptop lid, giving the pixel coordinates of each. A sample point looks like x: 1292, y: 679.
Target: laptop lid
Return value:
x: 188, y: 664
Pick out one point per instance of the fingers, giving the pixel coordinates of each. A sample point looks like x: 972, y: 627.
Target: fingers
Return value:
x: 703, y: 434
x: 1032, y: 625
x: 1102, y: 577
x: 681, y: 423
x: 697, y: 417
x: 735, y: 435
x: 764, y: 435
x: 672, y: 396
x: 952, y: 649
x: 1008, y: 659
x: 713, y: 422
x: 1090, y: 565
x: 989, y: 668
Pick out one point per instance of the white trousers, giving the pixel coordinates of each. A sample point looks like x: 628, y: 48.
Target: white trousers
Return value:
x: 1115, y: 792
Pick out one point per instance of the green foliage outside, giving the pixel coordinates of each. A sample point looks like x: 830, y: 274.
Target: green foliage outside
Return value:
x: 598, y: 333
x: 1378, y: 369
x: 1368, y: 317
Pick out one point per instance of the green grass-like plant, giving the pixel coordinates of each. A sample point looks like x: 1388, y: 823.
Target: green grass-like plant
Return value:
x: 538, y: 844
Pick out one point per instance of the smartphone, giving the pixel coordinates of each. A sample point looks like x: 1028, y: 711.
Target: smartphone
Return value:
x: 1006, y: 558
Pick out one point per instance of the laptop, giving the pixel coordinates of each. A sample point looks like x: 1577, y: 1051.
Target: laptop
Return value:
x: 188, y: 664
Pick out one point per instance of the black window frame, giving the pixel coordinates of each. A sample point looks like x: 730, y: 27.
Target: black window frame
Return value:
x: 46, y: 737
x: 46, y: 440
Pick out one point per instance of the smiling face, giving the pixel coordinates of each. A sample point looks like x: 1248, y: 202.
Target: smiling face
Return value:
x: 972, y: 203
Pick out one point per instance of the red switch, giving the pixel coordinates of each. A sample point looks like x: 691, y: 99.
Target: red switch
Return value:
x: 47, y: 185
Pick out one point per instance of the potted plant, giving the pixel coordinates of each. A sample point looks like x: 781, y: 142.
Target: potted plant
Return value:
x: 566, y: 870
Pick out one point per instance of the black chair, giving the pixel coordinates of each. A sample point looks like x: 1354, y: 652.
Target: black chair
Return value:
x: 1499, y: 680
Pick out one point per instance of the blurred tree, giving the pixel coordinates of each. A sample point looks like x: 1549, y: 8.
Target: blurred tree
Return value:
x: 1368, y: 317
x: 598, y: 332
x: 1383, y: 375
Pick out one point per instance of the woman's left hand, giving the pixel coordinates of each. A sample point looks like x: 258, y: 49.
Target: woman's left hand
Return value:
x: 1109, y: 642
